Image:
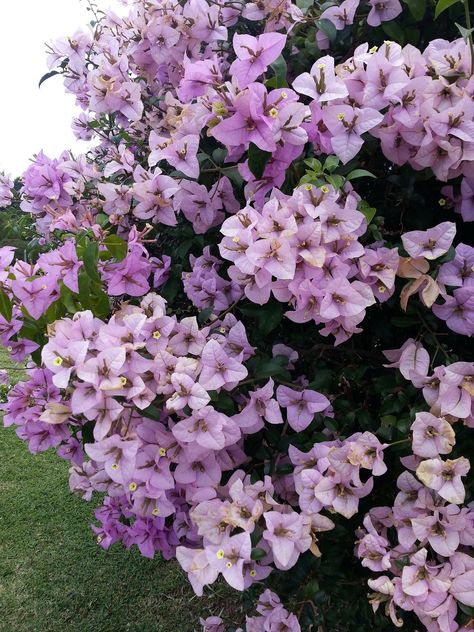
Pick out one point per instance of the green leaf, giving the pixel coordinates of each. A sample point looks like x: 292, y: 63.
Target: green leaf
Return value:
x: 84, y: 283
x: 304, y: 5
x: 469, y: 610
x: 87, y: 431
x: 152, y: 412
x: 257, y: 160
x: 271, y: 319
x: 272, y: 368
x: 222, y: 402
x: 443, y: 5
x: 90, y: 256
x: 311, y: 178
x: 204, y: 315
x: 311, y: 588
x: 314, y: 165
x: 394, y: 31
x: 257, y: 554
x: 235, y: 177
x: 328, y: 28
x: 417, y: 8
x: 66, y: 298
x: 172, y: 286
x: 331, y: 163
x: 102, y: 219
x: 117, y: 247
x: 100, y: 303
x: 286, y: 468
x: 335, y: 180
x: 279, y: 67
x: 47, y: 76
x: 6, y: 307
x: 369, y: 211
x: 465, y: 33
x: 359, y: 173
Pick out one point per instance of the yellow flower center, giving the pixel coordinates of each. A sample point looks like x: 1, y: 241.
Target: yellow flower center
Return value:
x: 442, y: 202
x: 382, y: 289
x: 253, y: 573
x: 321, y: 66
x: 132, y: 487
x: 229, y: 564
x: 324, y: 189
x: 115, y: 466
x: 219, y: 108
x: 156, y: 335
x: 340, y: 116
x: 156, y: 512
x: 222, y: 330
x: 284, y: 95
x: 308, y: 187
x: 373, y: 49
x: 273, y: 112
x: 220, y: 554
x: 162, y: 452
x: 57, y: 361
x: 236, y: 239
x: 123, y: 380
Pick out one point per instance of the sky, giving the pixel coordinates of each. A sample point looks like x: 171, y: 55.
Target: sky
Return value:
x: 32, y: 118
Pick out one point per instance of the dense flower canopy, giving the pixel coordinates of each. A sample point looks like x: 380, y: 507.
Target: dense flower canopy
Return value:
x: 248, y: 303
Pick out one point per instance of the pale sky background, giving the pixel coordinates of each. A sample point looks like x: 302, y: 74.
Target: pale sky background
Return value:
x: 33, y: 118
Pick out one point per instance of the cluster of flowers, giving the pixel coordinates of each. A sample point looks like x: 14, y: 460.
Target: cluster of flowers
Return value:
x: 272, y: 616
x: 154, y: 410
x: 426, y: 100
x: 329, y: 475
x: 221, y: 91
x: 429, y: 564
x: 6, y: 186
x: 27, y: 402
x: 424, y: 246
x: 35, y: 287
x: 101, y: 376
x: 458, y: 309
x: 205, y: 287
x: 304, y: 249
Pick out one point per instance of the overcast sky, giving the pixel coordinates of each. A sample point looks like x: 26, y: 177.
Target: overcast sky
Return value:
x: 32, y: 119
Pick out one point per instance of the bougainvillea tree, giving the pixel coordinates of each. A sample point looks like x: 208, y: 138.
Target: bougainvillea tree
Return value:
x: 247, y: 309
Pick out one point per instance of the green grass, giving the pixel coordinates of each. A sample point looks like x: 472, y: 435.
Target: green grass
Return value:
x: 53, y: 575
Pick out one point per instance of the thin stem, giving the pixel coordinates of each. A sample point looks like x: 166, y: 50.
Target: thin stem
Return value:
x: 226, y: 311
x: 398, y: 442
x: 468, y: 25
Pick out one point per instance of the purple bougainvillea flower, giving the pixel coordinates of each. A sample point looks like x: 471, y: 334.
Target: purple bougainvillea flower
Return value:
x: 341, y: 15
x: 432, y: 436
x: 321, y: 83
x: 218, y: 369
x: 431, y: 243
x: 445, y: 477
x: 254, y: 55
x: 250, y: 123
x: 301, y: 406
x: 383, y: 11
x: 182, y: 155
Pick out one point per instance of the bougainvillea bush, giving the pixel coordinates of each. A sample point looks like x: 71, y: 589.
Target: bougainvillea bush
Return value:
x: 248, y: 307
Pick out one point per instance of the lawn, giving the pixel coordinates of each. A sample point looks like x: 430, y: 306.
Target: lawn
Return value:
x: 54, y: 577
